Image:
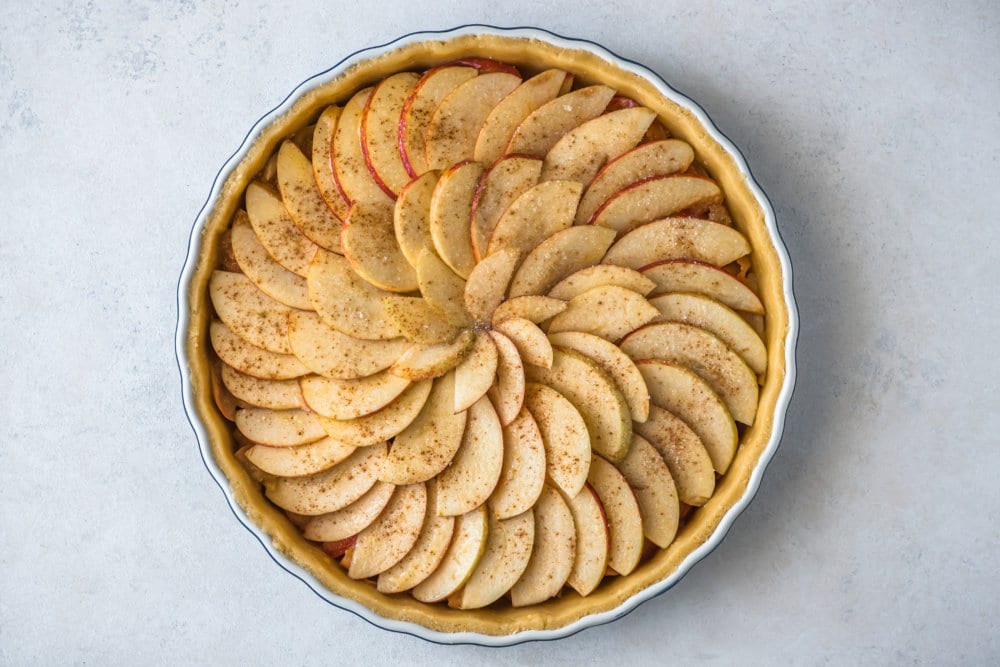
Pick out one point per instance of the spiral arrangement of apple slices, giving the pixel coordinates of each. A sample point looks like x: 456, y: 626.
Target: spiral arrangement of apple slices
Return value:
x: 476, y: 336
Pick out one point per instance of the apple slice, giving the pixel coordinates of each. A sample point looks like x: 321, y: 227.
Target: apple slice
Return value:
x: 488, y: 65
x: 609, y: 312
x: 332, y: 489
x: 614, y: 362
x: 523, y: 472
x: 455, y: 125
x: 684, y: 453
x: 349, y: 165
x: 322, y: 162
x: 508, y: 392
x: 252, y: 360
x: 279, y: 428
x: 328, y: 352
x: 685, y: 275
x: 350, y: 399
x: 227, y: 260
x: 533, y: 308
x: 622, y: 511
x: 369, y: 242
x: 380, y: 131
x: 658, y: 158
x: 474, y: 376
x: 411, y: 217
x: 654, y: 490
x: 487, y: 284
x: 249, y: 313
x: 535, y: 216
x: 654, y: 198
x: 224, y: 400
x: 560, y: 255
x: 350, y: 520
x: 441, y: 287
x: 706, y: 355
x: 382, y: 425
x: 346, y: 302
x: 474, y: 472
x: 299, y: 461
x: 436, y: 84
x: 451, y: 208
x: 276, y: 231
x: 540, y: 131
x: 592, y: 541
x: 594, y: 394
x: 598, y: 276
x: 426, y: 554
x: 529, y: 340
x: 505, y: 557
x: 464, y: 552
x: 429, y: 442
x: 501, y: 184
x: 582, y: 151
x: 553, y: 552
x: 273, y: 394
x: 417, y: 320
x: 686, y: 395
x: 564, y: 436
x: 421, y: 362
x: 678, y: 238
x: 511, y: 111
x: 303, y: 199
x: 270, y: 277
x: 391, y: 536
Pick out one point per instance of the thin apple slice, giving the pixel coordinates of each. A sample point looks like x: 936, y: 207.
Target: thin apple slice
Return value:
x: 474, y: 472
x: 487, y: 284
x: 678, y: 238
x: 350, y: 520
x: 303, y: 199
x: 346, y: 302
x: 426, y: 554
x: 380, y: 131
x: 592, y: 541
x: 658, y: 158
x: 273, y: 394
x: 540, y: 131
x: 322, y: 162
x: 455, y: 125
x: 391, y: 536
x: 686, y: 395
x: 279, y: 428
x: 332, y: 489
x: 249, y: 313
x: 411, y: 217
x: 253, y: 360
x: 429, y: 442
x: 654, y: 198
x: 684, y: 453
x: 593, y: 392
x: 706, y: 355
x: 598, y: 276
x: 508, y: 392
x: 224, y: 400
x: 685, y: 275
x: 501, y: 184
x: 511, y: 111
x: 418, y: 321
x: 609, y: 312
x: 529, y: 340
x: 436, y: 84
x: 552, y: 554
x: 421, y: 362
x: 560, y: 255
x: 270, y: 277
x: 326, y: 351
x: 369, y: 242
x: 654, y: 490
x: 564, y: 436
x: 533, y: 308
x: 614, y: 362
x: 523, y: 473
x: 441, y: 287
x: 299, y: 461
x: 350, y: 399
x: 350, y: 168
x: 505, y: 557
x: 535, y: 216
x: 582, y: 151
x: 382, y: 425
x: 276, y: 231
x: 464, y: 552
x: 474, y: 376
x: 712, y: 316
x: 622, y: 511
x: 450, y: 212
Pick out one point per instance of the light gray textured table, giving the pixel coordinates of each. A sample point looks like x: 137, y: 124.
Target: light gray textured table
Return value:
x: 875, y: 131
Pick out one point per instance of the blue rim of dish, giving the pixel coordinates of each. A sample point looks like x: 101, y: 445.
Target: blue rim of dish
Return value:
x: 590, y: 620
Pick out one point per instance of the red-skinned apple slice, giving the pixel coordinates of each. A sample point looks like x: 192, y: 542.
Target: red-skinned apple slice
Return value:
x: 620, y: 102
x: 533, y: 308
x: 609, y: 312
x: 487, y: 284
x: 474, y: 376
x: 451, y: 208
x: 592, y: 540
x: 352, y: 519
x: 501, y: 184
x: 273, y: 394
x: 505, y: 557
x: 582, y: 151
x: 417, y: 320
x: 249, y: 313
x: 654, y: 490
x: 485, y: 65
x: 279, y: 428
x: 303, y: 199
x: 523, y: 472
x: 685, y: 275
x: 441, y: 287
x: 253, y: 360
x: 333, y: 354
x: 678, y: 238
x: 350, y: 168
x: 474, y: 472
x: 600, y: 275
x: 350, y: 399
x: 380, y: 426
x: 332, y: 489
x: 552, y: 554
x: 369, y: 242
x: 426, y: 96
x: 464, y: 552
x: 654, y: 198
x: 559, y: 256
x: 622, y: 511
x: 540, y: 131
x: 276, y: 231
x: 535, y: 216
x: 508, y: 392
x: 564, y: 436
x: 530, y: 341
x: 346, y: 302
x: 380, y: 131
x: 421, y: 362
x: 411, y: 217
x: 684, y: 453
x: 299, y: 461
x: 391, y: 536
x: 270, y: 277
x: 322, y: 161
x: 511, y: 111
x: 426, y: 554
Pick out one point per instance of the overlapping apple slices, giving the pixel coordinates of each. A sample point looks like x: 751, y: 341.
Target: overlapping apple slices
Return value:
x: 481, y: 338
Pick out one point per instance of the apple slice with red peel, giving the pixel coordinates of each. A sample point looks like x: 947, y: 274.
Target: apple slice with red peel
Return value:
x: 540, y: 131
x: 386, y: 423
x: 426, y: 554
x: 339, y: 548
x: 684, y: 454
x: 533, y: 308
x: 270, y: 277
x: 273, y: 394
x: 706, y: 355
x: 622, y: 511
x: 535, y: 216
x: 299, y: 461
x: 620, y: 102
x: 380, y: 131
x: 552, y: 554
x: 485, y: 65
x: 441, y: 287
x: 322, y: 161
x: 505, y: 557
x: 508, y: 392
x: 654, y: 198
x: 424, y: 99
x: 598, y: 276
x: 559, y: 256
x: 582, y: 151
x: 564, y: 436
x: 474, y: 472
x: 451, y: 208
x: 249, y: 313
x: 411, y: 217
x: 417, y: 320
x: 253, y: 360
x: 421, y: 362
x: 333, y: 354
x: 685, y: 275
x: 523, y: 472
x: 350, y: 520
x: 487, y: 284
x: 592, y: 541
x: 346, y: 302
x: 369, y: 242
x: 391, y: 536
x: 276, y: 231
x: 464, y: 552
x: 501, y: 184
x: 350, y: 399
x: 349, y: 165
x: 303, y: 199
x: 648, y: 476
x: 659, y: 158
x: 530, y: 341
x: 475, y: 375
x: 678, y: 238
x: 279, y: 428
x: 332, y: 489
x: 609, y: 312
x: 510, y: 112
x: 455, y: 125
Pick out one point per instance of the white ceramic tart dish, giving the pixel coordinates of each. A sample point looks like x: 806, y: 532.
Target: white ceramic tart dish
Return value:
x: 486, y: 334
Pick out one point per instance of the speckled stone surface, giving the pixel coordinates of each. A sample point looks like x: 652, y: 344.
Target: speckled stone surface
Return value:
x: 875, y: 131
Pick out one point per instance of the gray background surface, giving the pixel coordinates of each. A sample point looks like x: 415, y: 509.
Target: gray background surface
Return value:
x: 874, y: 129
